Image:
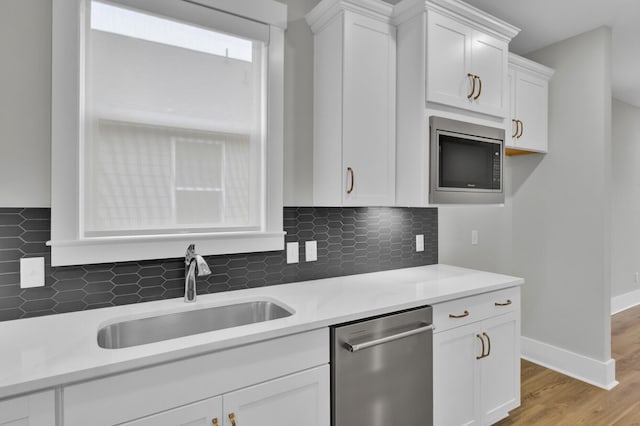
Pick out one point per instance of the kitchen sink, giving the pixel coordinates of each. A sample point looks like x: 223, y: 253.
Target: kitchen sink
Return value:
x: 170, y: 326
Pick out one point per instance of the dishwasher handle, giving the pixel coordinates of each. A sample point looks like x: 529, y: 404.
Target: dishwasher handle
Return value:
x: 365, y: 345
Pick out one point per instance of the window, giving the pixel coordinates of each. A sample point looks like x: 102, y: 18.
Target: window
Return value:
x: 173, y: 111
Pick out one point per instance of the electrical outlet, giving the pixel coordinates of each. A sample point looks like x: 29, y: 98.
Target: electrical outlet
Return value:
x: 311, y: 251
x: 420, y: 242
x: 32, y: 272
x: 636, y: 277
x: 293, y: 255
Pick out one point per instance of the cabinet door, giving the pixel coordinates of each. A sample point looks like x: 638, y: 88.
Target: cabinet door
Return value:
x: 368, y: 125
x: 500, y: 370
x: 298, y: 399
x: 203, y: 413
x: 510, y: 138
x: 456, y: 375
x: 448, y: 61
x: 31, y: 410
x: 489, y: 62
x: 531, y: 107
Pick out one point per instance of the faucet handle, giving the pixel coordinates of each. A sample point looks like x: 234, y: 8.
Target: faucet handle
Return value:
x: 190, y: 254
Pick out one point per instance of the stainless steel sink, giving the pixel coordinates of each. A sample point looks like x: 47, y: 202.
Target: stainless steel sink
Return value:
x: 163, y: 327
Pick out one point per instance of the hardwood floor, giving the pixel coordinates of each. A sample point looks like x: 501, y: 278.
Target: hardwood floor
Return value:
x: 550, y: 398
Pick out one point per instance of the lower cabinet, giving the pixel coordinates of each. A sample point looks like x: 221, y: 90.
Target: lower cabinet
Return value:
x: 476, y: 366
x: 298, y: 399
x: 32, y: 410
x: 278, y: 382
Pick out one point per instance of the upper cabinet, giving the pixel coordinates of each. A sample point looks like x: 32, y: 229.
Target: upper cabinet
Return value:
x: 354, y: 103
x: 466, y: 68
x: 452, y: 62
x: 529, y: 89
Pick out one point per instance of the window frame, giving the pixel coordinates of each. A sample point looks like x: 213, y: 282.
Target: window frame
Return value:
x: 69, y: 245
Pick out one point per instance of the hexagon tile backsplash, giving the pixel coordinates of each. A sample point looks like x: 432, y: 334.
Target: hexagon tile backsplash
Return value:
x: 350, y: 241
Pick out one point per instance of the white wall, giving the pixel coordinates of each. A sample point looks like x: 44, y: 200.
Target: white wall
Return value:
x: 625, y: 249
x: 561, y: 217
x: 25, y: 103
x: 298, y: 105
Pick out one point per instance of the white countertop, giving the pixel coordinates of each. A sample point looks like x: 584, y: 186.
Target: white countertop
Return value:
x: 40, y: 353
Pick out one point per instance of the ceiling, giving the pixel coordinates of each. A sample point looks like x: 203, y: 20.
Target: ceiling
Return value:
x: 544, y: 22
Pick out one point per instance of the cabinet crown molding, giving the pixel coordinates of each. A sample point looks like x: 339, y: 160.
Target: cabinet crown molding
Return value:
x: 459, y: 10
x: 328, y: 9
x: 518, y: 62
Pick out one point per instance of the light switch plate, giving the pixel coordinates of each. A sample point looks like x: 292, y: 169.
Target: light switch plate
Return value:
x: 32, y: 272
x: 420, y: 242
x: 293, y: 255
x: 474, y: 237
x: 311, y: 251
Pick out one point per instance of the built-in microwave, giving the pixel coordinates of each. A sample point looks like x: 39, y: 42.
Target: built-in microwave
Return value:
x: 466, y: 163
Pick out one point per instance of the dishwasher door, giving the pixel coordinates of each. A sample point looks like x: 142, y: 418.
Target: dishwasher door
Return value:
x: 381, y: 370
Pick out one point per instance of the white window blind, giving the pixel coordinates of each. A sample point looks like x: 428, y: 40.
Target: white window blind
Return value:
x: 174, y: 126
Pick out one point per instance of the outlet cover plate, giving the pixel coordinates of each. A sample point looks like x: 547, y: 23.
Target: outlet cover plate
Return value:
x: 31, y: 272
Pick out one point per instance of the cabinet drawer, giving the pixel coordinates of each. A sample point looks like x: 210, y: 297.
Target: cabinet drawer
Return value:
x: 470, y: 309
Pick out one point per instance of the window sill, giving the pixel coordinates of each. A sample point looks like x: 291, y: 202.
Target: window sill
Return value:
x: 125, y: 249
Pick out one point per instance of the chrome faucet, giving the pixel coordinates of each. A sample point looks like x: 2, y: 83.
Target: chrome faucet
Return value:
x: 194, y: 263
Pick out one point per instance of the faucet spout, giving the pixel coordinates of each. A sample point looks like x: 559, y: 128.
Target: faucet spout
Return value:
x: 195, y: 265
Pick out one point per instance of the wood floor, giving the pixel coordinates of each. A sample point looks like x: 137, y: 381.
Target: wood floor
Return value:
x: 550, y: 398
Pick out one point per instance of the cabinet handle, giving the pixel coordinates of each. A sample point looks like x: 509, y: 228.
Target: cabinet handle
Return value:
x: 515, y: 134
x: 232, y: 418
x: 521, y: 129
x: 214, y: 421
x: 353, y: 179
x: 488, y: 343
x: 507, y: 303
x: 473, y: 85
x: 479, y: 87
x: 482, y: 355
x: 464, y: 314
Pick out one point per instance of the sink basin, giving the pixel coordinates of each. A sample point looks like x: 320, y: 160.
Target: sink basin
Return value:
x: 163, y: 327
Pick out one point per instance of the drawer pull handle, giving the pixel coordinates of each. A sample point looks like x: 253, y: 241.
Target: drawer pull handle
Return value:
x: 507, y: 303
x: 214, y: 421
x: 232, y: 418
x: 482, y: 355
x: 488, y: 344
x: 465, y: 314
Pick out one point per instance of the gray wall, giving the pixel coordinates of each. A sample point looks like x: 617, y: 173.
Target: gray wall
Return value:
x: 625, y: 231
x: 25, y: 103
x: 493, y: 252
x: 561, y: 218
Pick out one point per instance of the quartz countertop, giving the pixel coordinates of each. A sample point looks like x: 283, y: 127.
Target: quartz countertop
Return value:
x: 41, y: 353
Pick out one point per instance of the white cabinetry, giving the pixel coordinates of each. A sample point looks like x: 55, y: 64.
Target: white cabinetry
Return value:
x: 202, y: 413
x: 354, y: 103
x: 31, y: 410
x: 279, y: 382
x: 298, y: 399
x: 529, y: 87
x: 466, y: 68
x: 476, y: 358
x: 452, y: 62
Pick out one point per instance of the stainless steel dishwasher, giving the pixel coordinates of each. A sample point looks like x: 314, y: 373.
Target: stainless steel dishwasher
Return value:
x: 381, y: 370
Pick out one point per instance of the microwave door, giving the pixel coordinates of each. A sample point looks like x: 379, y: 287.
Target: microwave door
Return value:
x: 468, y: 164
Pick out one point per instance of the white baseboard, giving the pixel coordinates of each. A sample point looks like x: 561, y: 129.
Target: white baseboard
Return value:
x: 589, y: 370
x: 625, y: 301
